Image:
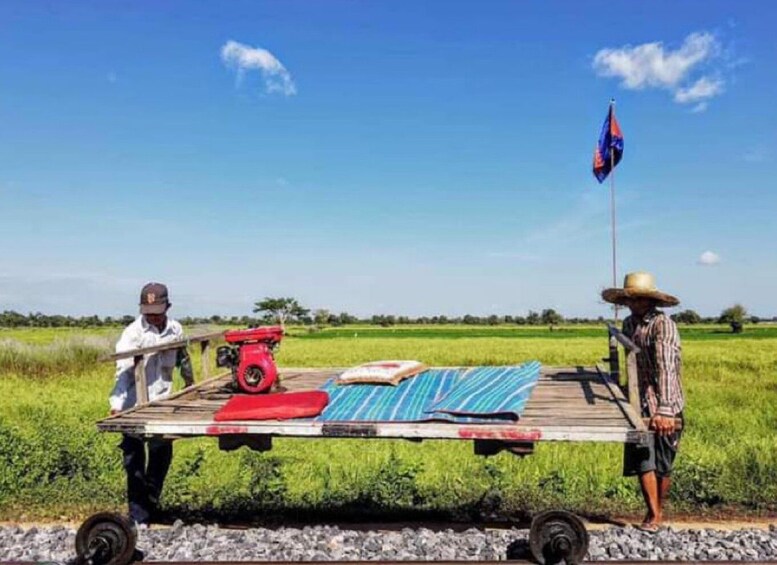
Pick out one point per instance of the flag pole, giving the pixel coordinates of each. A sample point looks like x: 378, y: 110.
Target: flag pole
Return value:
x: 612, y: 208
x: 614, y: 361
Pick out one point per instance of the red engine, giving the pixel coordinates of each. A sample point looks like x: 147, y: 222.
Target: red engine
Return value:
x: 250, y: 356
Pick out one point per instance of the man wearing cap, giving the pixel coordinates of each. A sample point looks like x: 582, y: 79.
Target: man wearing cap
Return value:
x: 145, y: 475
x: 659, y: 370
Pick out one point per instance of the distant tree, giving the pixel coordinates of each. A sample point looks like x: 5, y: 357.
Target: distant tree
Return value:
x: 333, y: 320
x: 281, y: 309
x: 93, y: 321
x: 687, y: 317
x: 734, y: 316
x: 519, y: 320
x: 305, y: 319
x: 346, y: 318
x: 551, y: 318
x: 470, y: 320
x: 383, y: 320
x: 321, y: 317
x: 247, y: 322
x: 493, y: 320
x: 532, y: 318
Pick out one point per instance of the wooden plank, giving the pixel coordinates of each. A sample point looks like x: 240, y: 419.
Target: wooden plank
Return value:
x: 613, y: 359
x: 164, y: 347
x: 141, y: 387
x: 205, y: 358
x: 633, y: 383
x: 179, y: 416
x: 434, y: 428
x: 542, y: 389
x: 580, y: 372
x: 397, y: 431
x: 622, y: 339
x: 617, y: 394
x: 193, y: 429
x: 613, y: 418
x: 178, y: 394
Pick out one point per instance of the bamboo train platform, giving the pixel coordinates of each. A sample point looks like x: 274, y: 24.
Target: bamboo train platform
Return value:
x: 572, y: 404
x: 567, y: 404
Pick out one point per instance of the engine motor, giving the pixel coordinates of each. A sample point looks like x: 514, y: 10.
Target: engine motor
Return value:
x: 250, y: 356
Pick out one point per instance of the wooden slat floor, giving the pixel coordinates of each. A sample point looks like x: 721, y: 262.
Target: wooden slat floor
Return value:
x: 575, y: 398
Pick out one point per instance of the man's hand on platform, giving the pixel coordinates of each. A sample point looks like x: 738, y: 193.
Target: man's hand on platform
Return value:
x: 663, y: 425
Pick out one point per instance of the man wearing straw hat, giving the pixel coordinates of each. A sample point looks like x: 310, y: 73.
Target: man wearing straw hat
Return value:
x: 660, y: 388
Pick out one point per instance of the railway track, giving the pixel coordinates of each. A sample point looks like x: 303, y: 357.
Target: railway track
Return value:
x: 555, y: 537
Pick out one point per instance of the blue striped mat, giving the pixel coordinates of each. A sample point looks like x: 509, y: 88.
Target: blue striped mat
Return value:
x: 413, y: 399
x: 491, y: 391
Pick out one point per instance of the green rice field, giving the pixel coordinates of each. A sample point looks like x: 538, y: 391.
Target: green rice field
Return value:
x: 54, y: 464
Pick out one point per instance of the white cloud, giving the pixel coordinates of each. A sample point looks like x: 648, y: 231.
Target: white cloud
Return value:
x: 703, y: 88
x: 651, y: 65
x: 709, y: 258
x: 700, y: 107
x: 244, y: 58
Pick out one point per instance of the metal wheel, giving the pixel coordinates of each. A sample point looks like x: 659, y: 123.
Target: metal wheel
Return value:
x: 106, y: 539
x: 557, y: 536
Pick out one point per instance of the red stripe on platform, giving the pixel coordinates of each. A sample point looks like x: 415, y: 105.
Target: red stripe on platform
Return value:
x: 516, y: 435
x: 220, y: 430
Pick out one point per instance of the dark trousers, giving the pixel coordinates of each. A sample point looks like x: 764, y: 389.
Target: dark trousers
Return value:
x: 145, y: 475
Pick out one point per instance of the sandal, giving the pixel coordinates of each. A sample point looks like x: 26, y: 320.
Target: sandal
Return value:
x: 648, y: 527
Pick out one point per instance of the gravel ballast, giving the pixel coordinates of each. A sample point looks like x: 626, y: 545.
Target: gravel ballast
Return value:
x: 321, y: 543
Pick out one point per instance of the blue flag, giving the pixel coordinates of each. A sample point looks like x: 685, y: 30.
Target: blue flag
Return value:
x: 609, y: 150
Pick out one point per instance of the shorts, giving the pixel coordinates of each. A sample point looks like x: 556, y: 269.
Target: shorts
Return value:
x: 658, y: 455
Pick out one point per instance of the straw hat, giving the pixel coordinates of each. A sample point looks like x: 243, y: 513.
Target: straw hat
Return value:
x: 639, y: 285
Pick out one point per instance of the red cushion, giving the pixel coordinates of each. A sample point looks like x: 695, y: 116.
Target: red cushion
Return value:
x: 279, y: 406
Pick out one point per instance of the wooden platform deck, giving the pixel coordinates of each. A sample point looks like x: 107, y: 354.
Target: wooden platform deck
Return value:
x: 568, y: 404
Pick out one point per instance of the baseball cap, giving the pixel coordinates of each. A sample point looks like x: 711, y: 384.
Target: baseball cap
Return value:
x: 154, y: 299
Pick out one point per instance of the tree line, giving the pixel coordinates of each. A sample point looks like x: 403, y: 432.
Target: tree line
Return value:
x: 290, y: 311
x: 319, y: 317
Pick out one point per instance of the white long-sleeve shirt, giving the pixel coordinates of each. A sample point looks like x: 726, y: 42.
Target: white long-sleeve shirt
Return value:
x: 159, y: 366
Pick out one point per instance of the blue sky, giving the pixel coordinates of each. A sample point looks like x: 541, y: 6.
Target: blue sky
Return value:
x: 384, y: 157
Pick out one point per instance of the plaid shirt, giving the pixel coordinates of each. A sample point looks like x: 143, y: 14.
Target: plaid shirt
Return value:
x: 659, y: 365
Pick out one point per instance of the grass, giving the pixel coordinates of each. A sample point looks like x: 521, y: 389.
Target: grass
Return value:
x: 690, y: 333
x: 53, y: 462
